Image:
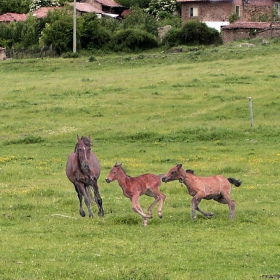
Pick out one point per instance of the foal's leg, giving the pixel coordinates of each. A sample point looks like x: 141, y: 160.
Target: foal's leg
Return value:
x: 137, y: 209
x: 158, y: 197
x: 231, y: 204
x: 195, y: 201
x: 98, y: 199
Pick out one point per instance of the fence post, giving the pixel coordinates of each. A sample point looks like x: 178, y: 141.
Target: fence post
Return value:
x: 251, y: 111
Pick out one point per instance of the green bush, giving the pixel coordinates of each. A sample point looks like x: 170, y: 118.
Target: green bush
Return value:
x: 173, y: 37
x: 93, y: 35
x: 139, y: 19
x: 59, y: 31
x: 133, y: 40
x: 198, y: 33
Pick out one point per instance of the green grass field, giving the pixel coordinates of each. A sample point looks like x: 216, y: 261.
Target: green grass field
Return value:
x: 149, y: 111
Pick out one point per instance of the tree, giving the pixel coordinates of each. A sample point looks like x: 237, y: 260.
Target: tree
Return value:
x: 36, y: 4
x: 139, y: 19
x: 14, y: 6
x: 28, y: 33
x: 93, y: 35
x: 157, y: 7
x: 59, y: 31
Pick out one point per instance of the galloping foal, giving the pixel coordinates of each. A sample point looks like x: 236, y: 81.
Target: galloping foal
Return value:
x: 134, y: 187
x: 214, y: 187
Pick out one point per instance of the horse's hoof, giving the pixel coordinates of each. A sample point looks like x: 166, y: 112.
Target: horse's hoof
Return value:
x: 211, y: 214
x: 101, y: 214
x: 83, y: 214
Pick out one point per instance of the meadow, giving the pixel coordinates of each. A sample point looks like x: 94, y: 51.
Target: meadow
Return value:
x: 149, y: 111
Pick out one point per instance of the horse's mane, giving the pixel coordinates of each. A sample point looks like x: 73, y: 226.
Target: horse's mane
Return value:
x: 190, y: 171
x: 124, y: 171
x: 86, y: 141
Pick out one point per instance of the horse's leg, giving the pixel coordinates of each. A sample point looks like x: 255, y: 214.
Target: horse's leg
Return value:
x: 82, y: 212
x: 137, y: 209
x: 158, y: 197
x: 195, y: 201
x: 82, y: 191
x: 98, y: 199
x: 225, y: 199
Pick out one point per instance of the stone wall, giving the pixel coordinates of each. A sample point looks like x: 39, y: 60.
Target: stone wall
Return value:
x: 2, y: 53
x: 237, y: 34
x: 261, y: 12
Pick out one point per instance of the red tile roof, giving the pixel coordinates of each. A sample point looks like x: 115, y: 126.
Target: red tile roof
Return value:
x: 108, y: 3
x: 8, y: 17
x: 43, y: 11
x: 86, y: 8
x: 203, y: 0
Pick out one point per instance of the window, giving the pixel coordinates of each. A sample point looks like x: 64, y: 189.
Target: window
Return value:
x: 193, y: 12
x: 276, y: 8
x: 237, y: 10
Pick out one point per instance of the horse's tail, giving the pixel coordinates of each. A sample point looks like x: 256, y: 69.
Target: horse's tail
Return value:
x: 237, y: 183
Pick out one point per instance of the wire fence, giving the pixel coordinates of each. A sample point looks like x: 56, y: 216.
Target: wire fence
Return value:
x: 30, y: 53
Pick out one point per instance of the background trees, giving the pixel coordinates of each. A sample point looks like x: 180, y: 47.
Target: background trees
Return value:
x: 137, y: 31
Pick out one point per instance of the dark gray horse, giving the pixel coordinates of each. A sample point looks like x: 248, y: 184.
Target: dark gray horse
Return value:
x: 83, y: 170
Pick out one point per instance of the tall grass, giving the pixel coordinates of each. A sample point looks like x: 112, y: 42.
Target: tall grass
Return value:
x: 149, y: 112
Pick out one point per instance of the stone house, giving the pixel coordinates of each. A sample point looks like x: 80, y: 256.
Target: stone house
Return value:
x: 217, y: 13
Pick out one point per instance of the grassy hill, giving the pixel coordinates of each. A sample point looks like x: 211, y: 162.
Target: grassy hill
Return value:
x: 149, y: 111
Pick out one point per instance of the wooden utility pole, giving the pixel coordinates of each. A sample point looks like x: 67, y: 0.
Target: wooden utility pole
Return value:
x: 74, y: 27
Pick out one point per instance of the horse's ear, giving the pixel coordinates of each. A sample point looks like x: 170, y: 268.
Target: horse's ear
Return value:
x: 179, y: 166
x: 77, y: 137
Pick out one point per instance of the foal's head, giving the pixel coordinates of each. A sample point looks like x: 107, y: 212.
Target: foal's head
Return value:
x: 83, y: 151
x: 113, y: 174
x: 175, y: 173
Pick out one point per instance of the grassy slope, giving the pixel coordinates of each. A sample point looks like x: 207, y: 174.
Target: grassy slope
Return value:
x: 150, y: 112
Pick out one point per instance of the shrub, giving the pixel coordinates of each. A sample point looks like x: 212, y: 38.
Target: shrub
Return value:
x: 173, y: 37
x: 133, y: 40
x: 139, y: 19
x: 59, y: 31
x: 93, y: 35
x: 198, y: 33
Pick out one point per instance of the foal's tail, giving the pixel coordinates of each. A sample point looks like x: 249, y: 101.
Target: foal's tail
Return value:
x: 237, y: 183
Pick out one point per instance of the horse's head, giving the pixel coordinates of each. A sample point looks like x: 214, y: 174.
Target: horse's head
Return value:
x: 175, y: 173
x: 83, y: 151
x: 112, y: 176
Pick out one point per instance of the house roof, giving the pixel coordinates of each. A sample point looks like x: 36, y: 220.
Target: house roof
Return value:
x: 8, y: 17
x: 108, y: 3
x: 86, y: 8
x: 254, y: 25
x: 204, y: 0
x: 43, y: 11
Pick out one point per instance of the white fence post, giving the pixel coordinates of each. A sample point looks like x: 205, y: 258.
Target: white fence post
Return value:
x: 251, y: 111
